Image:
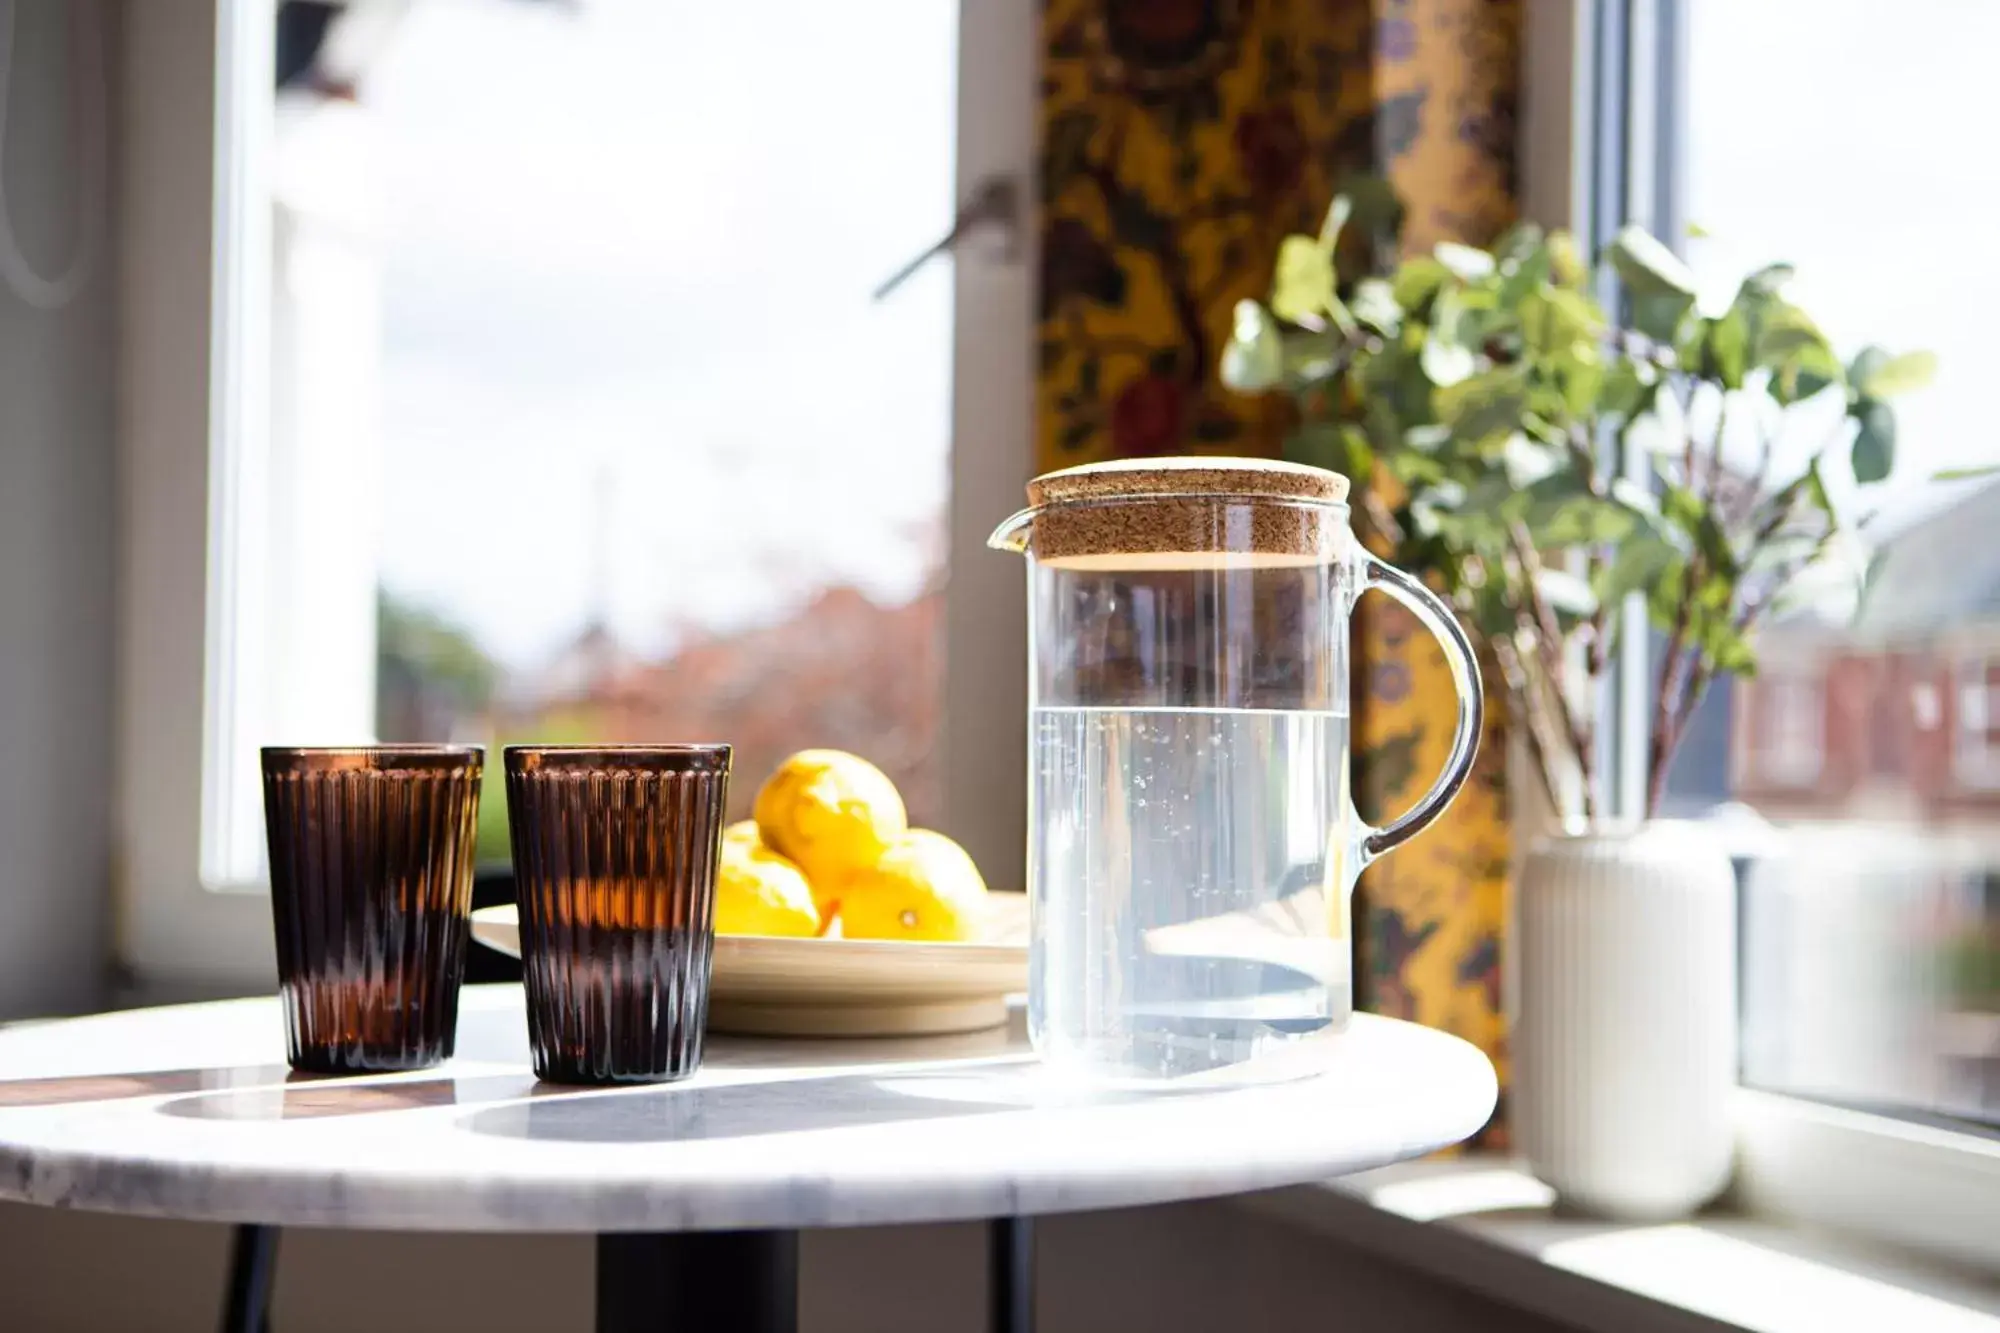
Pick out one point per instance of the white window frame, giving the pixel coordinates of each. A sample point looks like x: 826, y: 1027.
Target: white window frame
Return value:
x: 196, y: 89
x: 1875, y: 1176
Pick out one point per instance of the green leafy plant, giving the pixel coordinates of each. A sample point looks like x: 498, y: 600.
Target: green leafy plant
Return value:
x: 1492, y: 416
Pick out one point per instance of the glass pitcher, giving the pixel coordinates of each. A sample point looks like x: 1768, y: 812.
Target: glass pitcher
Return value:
x: 1192, y: 841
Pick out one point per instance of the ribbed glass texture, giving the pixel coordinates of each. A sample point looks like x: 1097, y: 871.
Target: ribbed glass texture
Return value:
x: 371, y: 896
x: 615, y: 855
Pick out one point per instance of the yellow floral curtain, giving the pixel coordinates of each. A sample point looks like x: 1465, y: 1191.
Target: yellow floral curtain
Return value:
x: 1181, y: 139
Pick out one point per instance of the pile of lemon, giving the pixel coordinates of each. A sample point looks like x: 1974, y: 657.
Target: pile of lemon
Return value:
x: 830, y: 852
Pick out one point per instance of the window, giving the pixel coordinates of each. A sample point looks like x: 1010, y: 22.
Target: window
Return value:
x: 1878, y: 1017
x: 1869, y: 933
x: 1976, y: 752
x: 549, y: 400
x: 1788, y: 746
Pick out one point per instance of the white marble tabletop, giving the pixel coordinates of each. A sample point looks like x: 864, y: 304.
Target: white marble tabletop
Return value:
x: 190, y: 1112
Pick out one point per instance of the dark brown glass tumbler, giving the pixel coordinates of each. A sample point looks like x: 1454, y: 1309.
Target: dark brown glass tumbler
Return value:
x: 371, y: 894
x: 615, y: 855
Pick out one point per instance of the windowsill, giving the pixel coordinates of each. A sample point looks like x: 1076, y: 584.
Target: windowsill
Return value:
x: 1486, y: 1225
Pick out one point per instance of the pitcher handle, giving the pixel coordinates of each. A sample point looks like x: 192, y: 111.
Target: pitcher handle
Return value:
x: 1458, y: 655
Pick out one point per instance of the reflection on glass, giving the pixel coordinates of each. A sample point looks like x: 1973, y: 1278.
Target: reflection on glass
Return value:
x: 560, y: 270
x: 1864, y: 760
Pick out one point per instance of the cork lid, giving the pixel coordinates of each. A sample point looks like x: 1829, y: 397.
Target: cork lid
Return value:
x: 1125, y: 477
x: 1176, y: 513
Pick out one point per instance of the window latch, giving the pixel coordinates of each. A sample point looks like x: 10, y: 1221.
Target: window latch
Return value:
x: 995, y: 202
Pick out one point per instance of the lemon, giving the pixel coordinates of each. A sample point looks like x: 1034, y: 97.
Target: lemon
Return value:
x: 758, y: 892
x: 742, y: 831
x: 830, y: 812
x: 924, y: 887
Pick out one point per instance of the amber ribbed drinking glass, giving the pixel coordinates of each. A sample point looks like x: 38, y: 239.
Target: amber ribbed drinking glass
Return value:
x: 615, y: 855
x: 371, y: 894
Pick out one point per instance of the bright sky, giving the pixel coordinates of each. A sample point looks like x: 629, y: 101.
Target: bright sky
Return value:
x: 629, y: 251
x: 629, y: 247
x: 1854, y: 139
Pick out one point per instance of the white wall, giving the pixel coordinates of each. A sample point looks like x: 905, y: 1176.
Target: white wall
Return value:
x: 57, y: 503
x: 1180, y: 1269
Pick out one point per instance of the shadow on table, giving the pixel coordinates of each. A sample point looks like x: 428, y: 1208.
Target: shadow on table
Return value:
x: 79, y: 1088
x: 304, y: 1097
x: 749, y: 1110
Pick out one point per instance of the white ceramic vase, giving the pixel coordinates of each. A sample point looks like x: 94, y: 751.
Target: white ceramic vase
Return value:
x: 1625, y: 1043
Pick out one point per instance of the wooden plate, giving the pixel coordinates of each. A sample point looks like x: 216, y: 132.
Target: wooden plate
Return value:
x: 768, y: 986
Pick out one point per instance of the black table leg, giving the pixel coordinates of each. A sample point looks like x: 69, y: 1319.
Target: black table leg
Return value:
x: 662, y: 1283
x: 1010, y: 1268
x: 253, y: 1269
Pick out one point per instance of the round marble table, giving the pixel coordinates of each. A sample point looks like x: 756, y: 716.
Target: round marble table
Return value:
x: 190, y: 1112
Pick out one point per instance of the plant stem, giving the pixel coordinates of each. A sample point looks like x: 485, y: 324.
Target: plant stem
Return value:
x: 1549, y: 648
x: 1521, y: 689
x: 1683, y: 664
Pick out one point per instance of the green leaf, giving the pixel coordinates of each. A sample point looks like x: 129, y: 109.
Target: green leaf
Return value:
x: 1686, y: 511
x: 1446, y: 363
x: 1865, y: 363
x: 1555, y: 319
x: 1493, y: 612
x: 1337, y: 448
x: 1764, y: 284
x: 1721, y: 644
x: 1582, y: 380
x: 1783, y: 553
x: 1629, y: 388
x: 1417, y: 280
x: 1791, y: 347
x: 1802, y: 382
x: 1817, y: 493
x: 1697, y: 232
x: 1659, y: 315
x: 1254, y: 360
x: 1566, y: 594
x: 1374, y: 304
x: 1412, y: 468
x: 1566, y: 264
x: 1830, y: 585
x: 1968, y: 473
x: 1897, y: 374
x: 1524, y: 274
x: 1875, y: 443
x: 1807, y: 371
x: 1727, y: 349
x: 1309, y: 355
x: 1525, y: 461
x: 1640, y: 559
x: 1302, y: 287
x: 1467, y: 263
x: 1485, y: 408
x: 1576, y: 519
x: 1520, y: 241
x: 1647, y: 267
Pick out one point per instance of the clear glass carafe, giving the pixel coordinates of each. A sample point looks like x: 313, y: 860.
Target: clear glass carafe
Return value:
x: 1192, y: 842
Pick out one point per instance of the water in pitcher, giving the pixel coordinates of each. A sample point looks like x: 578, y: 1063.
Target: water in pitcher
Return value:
x: 1189, y: 914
